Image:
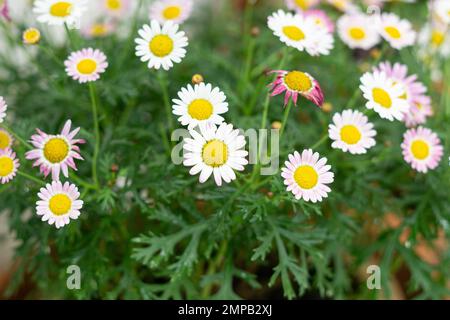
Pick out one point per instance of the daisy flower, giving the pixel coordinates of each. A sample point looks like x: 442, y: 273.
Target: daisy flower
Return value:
x: 307, y: 176
x: 215, y: 151
x: 398, y: 32
x: 321, y: 19
x: 31, y: 36
x: 382, y: 95
x: 442, y: 10
x: 351, y: 131
x: 160, y: 45
x: 346, y: 6
x: 55, y: 12
x: 6, y: 140
x: 86, y: 65
x: 8, y: 165
x: 3, y: 108
x: 176, y: 11
x: 297, y: 83
x: 434, y: 38
x: 418, y: 112
x: 301, y: 5
x: 55, y: 153
x: 98, y: 29
x: 357, y: 31
x: 116, y: 8
x: 422, y: 149
x: 59, y: 203
x: 200, y: 105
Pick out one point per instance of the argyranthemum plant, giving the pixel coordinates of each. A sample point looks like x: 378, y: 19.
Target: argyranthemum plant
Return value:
x: 86, y: 65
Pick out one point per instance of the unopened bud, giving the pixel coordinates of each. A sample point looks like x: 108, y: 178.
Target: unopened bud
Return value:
x: 197, y: 79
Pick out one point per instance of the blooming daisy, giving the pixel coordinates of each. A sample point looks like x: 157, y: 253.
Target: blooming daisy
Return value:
x: 176, y: 11
x: 31, y: 36
x: 215, y: 151
x: 434, y: 38
x: 3, y: 108
x: 8, y: 165
x: 55, y: 12
x: 161, y: 46
x: 299, y: 32
x: 352, y: 132
x: 422, y: 149
x: 301, y: 5
x: 398, y: 32
x: 55, y: 153
x: 382, y: 95
x: 419, y: 111
x: 59, y: 203
x: 116, y: 7
x: 6, y: 140
x: 86, y: 65
x: 98, y: 29
x: 442, y: 10
x: 307, y: 176
x: 321, y: 19
x: 346, y: 6
x: 357, y: 31
x: 200, y: 105
x: 297, y: 83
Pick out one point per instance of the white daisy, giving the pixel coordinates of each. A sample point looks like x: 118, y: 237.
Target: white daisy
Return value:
x: 442, y: 9
x: 86, y: 65
x: 161, y: 46
x: 322, y: 43
x: 352, y: 132
x: 398, y: 32
x: 307, y: 176
x: 301, y: 5
x: 55, y: 12
x: 357, y: 31
x: 3, y: 108
x: 382, y: 95
x: 200, y: 105
x: 215, y: 151
x: 59, y: 203
x: 176, y: 11
x: 434, y: 38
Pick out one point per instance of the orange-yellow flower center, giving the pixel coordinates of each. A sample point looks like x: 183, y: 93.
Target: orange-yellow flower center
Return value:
x: 200, y: 109
x: 306, y: 177
x: 302, y: 4
x: 437, y: 38
x: 215, y: 153
x: 5, y: 140
x: 161, y: 45
x: 6, y: 166
x: 357, y: 33
x: 350, y: 134
x: 60, y: 204
x: 298, y: 81
x: 381, y: 97
x: 293, y: 33
x: 56, y: 150
x: 87, y: 66
x: 393, y: 32
x: 114, y: 4
x: 99, y: 29
x: 172, y: 12
x: 61, y: 9
x: 420, y: 149
x: 31, y: 36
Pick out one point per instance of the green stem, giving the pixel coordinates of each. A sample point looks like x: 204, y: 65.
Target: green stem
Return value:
x: 69, y: 33
x: 285, y: 117
x: 213, y: 267
x: 93, y: 95
x: 167, y: 106
x: 31, y: 178
x: 320, y: 141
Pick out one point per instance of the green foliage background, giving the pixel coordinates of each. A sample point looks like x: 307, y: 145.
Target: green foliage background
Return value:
x: 163, y: 235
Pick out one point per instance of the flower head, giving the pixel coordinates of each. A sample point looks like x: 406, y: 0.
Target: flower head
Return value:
x: 59, y: 203
x: 419, y: 111
x: 307, y: 176
x: 86, y: 65
x: 422, y: 149
x: 116, y: 8
x: 442, y: 9
x: 161, y: 46
x: 297, y: 83
x: 200, y: 105
x: 398, y: 32
x: 55, y: 153
x: 434, y: 38
x: 31, y: 36
x: 352, y: 132
x: 321, y: 18
x: 176, y: 11
x: 56, y: 12
x: 357, y: 32
x: 301, y: 5
x: 8, y: 165
x: 6, y: 140
x: 3, y: 108
x: 98, y: 29
x: 216, y: 151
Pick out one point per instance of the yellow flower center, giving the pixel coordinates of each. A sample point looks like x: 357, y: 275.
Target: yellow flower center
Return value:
x: 420, y: 149
x: 302, y: 4
x: 113, y: 4
x: 437, y: 38
x: 6, y: 166
x: 293, y: 33
x: 381, y: 97
x: 393, y: 32
x: 99, y: 29
x: 31, y: 36
x: 357, y: 33
x: 298, y: 81
x: 161, y: 45
x: 215, y: 153
x: 306, y: 177
x: 172, y: 12
x: 60, y: 204
x: 200, y: 109
x: 61, y: 9
x: 5, y: 140
x: 87, y: 66
x: 56, y: 150
x: 350, y: 134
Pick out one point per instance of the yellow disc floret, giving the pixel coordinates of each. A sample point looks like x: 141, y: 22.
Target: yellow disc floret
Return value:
x: 200, y: 109
x: 60, y: 204
x: 6, y: 166
x: 5, y: 140
x: 298, y: 81
x: 215, y: 153
x: 161, y: 45
x: 293, y: 33
x: 56, y: 150
x: 87, y: 66
x: 350, y: 134
x: 306, y: 177
x: 381, y: 97
x: 172, y: 12
x: 61, y: 9
x: 420, y: 149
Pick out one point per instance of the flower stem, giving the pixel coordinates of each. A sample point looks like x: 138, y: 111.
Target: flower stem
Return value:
x: 214, y: 265
x: 163, y: 83
x: 93, y: 95
x: 30, y: 177
x: 285, y: 117
x: 320, y: 141
x: 72, y: 41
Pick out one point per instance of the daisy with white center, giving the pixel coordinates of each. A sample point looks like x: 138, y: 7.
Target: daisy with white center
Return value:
x: 296, y: 83
x: 55, y: 12
x: 200, y: 105
x: 422, y: 149
x: 55, y: 153
x: 3, y: 108
x: 442, y: 9
x: 86, y: 65
x: 215, y: 151
x: 176, y: 11
x: 383, y: 96
x: 6, y: 140
x: 116, y: 8
x: 357, y: 31
x: 352, y: 132
x: 307, y: 175
x: 398, y: 32
x: 59, y: 203
x: 8, y: 165
x: 161, y: 46
x: 301, y: 5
